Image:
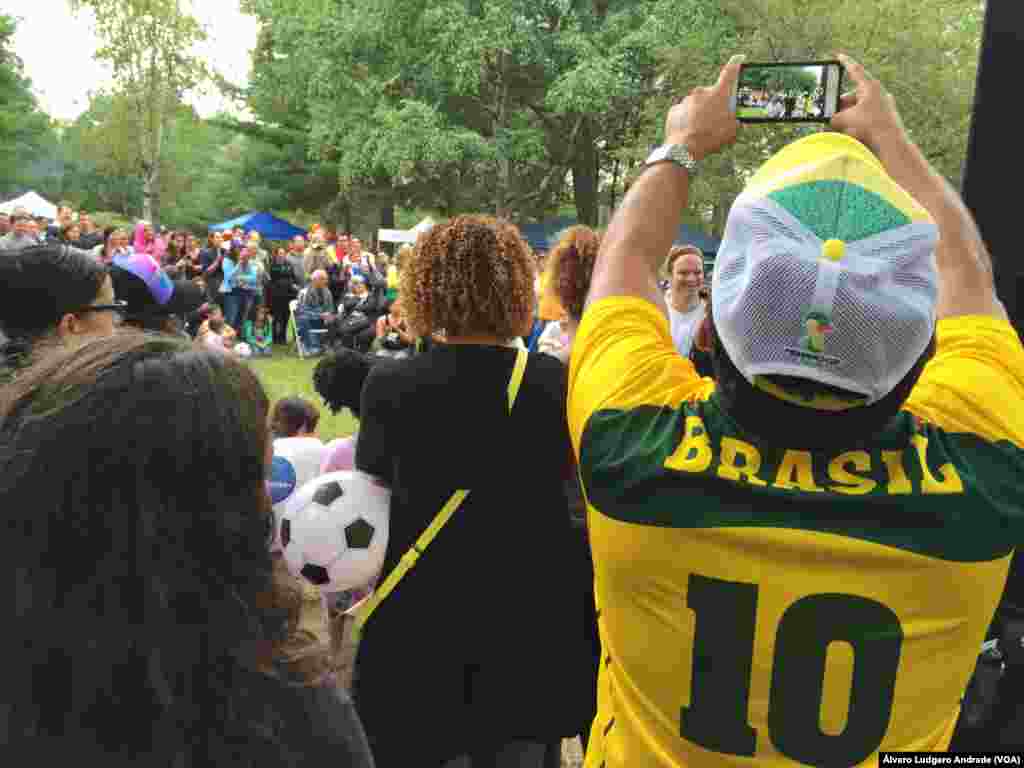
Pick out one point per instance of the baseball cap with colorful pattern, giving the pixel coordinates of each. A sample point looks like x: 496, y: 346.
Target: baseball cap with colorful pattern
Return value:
x: 826, y: 273
x: 139, y: 281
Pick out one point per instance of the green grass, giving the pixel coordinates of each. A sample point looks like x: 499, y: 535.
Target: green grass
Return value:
x: 285, y: 375
x: 752, y: 112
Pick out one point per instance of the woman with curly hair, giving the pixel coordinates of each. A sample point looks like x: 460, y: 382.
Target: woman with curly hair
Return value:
x: 500, y: 662
x: 149, y: 624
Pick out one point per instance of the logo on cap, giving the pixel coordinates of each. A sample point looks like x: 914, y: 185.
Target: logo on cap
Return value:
x: 817, y: 327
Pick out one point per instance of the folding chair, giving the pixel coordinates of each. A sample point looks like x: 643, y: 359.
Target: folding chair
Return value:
x: 293, y: 327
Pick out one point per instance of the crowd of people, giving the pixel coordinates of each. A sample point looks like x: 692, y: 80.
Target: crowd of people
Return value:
x: 657, y: 561
x: 240, y: 296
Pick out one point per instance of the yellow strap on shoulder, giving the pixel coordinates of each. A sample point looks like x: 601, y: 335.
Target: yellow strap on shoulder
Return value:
x: 365, y: 609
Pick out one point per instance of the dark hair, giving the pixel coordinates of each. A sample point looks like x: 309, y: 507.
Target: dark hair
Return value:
x: 42, y: 283
x: 216, y: 324
x: 291, y: 414
x: 762, y: 414
x: 144, y: 589
x: 172, y: 255
x: 339, y: 379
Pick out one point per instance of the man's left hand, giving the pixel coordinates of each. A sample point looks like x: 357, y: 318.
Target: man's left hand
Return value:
x: 705, y: 121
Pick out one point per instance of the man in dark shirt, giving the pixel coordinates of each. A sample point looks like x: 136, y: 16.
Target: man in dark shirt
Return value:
x: 315, y: 312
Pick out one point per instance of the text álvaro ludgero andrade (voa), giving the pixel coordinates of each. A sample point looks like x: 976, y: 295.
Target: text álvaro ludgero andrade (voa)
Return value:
x: 950, y: 758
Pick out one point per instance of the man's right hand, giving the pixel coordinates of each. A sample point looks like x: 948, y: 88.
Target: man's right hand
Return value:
x: 704, y: 121
x: 869, y: 113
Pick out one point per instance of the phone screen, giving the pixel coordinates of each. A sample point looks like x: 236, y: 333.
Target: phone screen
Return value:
x: 789, y: 92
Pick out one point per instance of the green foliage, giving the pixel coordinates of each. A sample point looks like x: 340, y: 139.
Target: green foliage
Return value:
x: 25, y: 131
x: 925, y: 52
x: 148, y: 45
x: 485, y: 105
x: 370, y: 109
x: 780, y: 79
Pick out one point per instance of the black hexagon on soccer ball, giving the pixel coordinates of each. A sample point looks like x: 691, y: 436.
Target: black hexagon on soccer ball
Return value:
x: 328, y: 493
x: 286, y: 532
x: 314, y: 574
x: 358, y: 534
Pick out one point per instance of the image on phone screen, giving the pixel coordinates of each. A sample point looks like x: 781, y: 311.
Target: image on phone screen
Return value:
x: 789, y: 92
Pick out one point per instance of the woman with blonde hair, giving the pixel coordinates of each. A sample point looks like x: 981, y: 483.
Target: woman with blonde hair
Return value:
x: 503, y: 668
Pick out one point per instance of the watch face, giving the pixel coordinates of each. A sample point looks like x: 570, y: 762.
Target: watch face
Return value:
x: 677, y: 153
x: 659, y: 154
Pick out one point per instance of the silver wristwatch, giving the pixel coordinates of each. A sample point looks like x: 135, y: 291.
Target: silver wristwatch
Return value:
x: 676, y: 153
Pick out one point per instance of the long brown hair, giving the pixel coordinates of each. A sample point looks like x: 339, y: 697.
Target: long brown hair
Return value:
x: 571, y: 265
x: 132, y: 479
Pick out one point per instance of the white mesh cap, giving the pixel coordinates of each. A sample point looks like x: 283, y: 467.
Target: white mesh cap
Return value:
x: 826, y: 272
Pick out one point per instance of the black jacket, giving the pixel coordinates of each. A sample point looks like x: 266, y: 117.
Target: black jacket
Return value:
x: 373, y: 307
x: 282, y: 280
x: 503, y: 646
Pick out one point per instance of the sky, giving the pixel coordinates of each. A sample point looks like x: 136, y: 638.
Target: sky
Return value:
x: 56, y: 47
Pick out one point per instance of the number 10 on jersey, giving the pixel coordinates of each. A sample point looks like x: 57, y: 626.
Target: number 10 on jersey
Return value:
x: 723, y: 650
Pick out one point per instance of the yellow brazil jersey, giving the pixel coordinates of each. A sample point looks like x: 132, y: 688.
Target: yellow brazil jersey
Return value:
x: 792, y: 607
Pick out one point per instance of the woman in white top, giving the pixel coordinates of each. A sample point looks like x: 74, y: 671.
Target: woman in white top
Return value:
x: 685, y: 266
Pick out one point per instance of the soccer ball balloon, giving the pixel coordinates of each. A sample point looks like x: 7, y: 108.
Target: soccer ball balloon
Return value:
x: 334, y: 531
x: 296, y: 462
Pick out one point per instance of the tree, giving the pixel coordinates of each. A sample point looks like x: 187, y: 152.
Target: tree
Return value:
x: 25, y: 131
x: 148, y: 45
x: 480, y: 104
x: 781, y: 79
x: 924, y: 51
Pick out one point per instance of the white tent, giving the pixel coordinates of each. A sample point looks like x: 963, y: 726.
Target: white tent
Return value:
x: 33, y: 203
x: 404, y: 235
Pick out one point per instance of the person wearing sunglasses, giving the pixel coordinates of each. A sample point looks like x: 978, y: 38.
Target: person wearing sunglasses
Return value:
x: 52, y: 295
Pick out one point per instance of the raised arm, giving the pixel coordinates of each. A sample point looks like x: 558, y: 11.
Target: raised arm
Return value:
x: 966, y: 282
x: 643, y: 228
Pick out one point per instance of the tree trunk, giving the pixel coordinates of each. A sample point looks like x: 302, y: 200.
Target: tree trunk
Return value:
x: 387, y: 215
x: 502, y: 210
x: 615, y: 186
x: 584, y: 175
x: 151, y: 196
x: 719, y: 214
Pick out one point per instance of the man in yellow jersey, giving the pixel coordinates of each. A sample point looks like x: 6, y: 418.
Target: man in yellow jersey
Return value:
x: 796, y: 564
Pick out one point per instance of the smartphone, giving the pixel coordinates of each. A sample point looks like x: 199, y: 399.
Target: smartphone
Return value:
x: 789, y: 92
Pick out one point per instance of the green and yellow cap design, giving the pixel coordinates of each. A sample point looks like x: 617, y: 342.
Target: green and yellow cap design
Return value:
x: 826, y: 273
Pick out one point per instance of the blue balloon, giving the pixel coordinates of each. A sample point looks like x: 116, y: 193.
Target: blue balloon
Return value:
x: 282, y: 479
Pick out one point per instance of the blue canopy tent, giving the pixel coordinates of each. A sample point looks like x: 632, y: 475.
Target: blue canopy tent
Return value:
x: 543, y: 235
x: 269, y: 226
